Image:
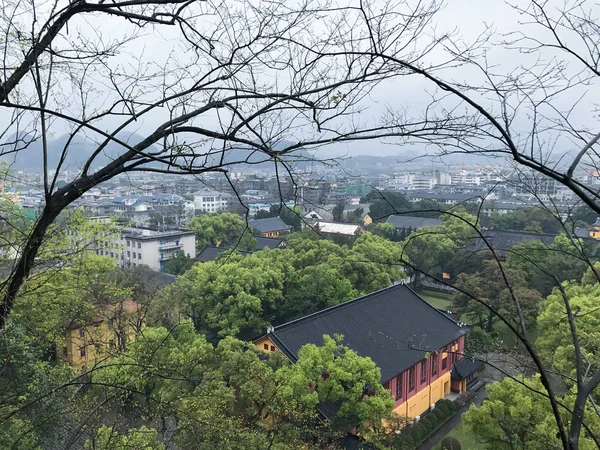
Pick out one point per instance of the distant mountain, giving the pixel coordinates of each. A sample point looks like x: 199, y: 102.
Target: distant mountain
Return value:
x: 29, y: 157
x: 80, y: 149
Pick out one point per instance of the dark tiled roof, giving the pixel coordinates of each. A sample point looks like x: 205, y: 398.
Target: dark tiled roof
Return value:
x: 581, y: 232
x: 394, y: 327
x: 464, y: 367
x: 153, y: 279
x: 269, y: 224
x: 504, y: 240
x: 413, y: 222
x: 262, y: 242
x: 210, y: 253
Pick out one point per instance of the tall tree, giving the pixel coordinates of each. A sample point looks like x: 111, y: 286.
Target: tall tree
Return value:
x: 223, y: 230
x: 515, y: 417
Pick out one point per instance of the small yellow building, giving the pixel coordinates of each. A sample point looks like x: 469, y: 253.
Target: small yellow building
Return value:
x: 85, y: 344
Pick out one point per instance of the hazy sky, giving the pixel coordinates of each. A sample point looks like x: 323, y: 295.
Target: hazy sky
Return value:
x: 153, y: 47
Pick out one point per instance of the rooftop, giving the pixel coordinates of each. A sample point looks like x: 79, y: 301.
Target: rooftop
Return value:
x: 211, y: 252
x: 338, y: 228
x: 393, y: 326
x: 146, y: 233
x: 401, y: 221
x: 269, y: 224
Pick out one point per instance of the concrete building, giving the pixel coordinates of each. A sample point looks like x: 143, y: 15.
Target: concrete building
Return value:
x: 210, y: 200
x: 141, y: 246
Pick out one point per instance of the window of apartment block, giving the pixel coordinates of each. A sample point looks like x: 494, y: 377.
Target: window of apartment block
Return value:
x: 266, y: 346
x: 398, y: 395
x: 128, y: 254
x: 411, y: 379
x: 423, y: 371
x: 139, y: 245
x: 272, y: 348
x: 139, y: 256
x: 133, y: 255
x: 82, y: 352
x: 434, y: 365
x: 444, y: 363
x: 128, y: 243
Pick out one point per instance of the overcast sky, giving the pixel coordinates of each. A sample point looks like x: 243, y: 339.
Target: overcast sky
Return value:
x: 155, y: 47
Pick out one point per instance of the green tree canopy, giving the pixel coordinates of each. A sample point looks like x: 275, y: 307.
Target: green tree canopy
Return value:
x: 546, y: 266
x: 385, y: 203
x: 228, y: 395
x: 178, y: 265
x: 224, y: 230
x: 489, y: 286
x: 513, y: 417
x: 555, y: 340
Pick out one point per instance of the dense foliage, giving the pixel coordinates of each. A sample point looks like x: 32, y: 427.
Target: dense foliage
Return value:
x: 241, y: 296
x: 223, y: 230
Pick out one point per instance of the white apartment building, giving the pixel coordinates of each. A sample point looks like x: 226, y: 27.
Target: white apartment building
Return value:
x: 140, y: 246
x: 208, y: 200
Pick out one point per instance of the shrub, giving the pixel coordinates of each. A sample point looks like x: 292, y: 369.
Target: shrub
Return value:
x: 450, y: 443
x: 442, y: 407
x: 426, y: 425
x: 439, y: 414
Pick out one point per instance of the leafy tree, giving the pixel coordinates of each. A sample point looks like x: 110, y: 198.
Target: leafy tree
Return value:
x: 55, y: 297
x: 535, y: 219
x: 373, y: 263
x: 514, y: 417
x: 584, y: 215
x: 489, y: 287
x: 546, y: 266
x: 554, y: 338
x: 108, y: 438
x: 232, y: 298
x: 427, y: 249
x: 355, y: 216
x: 34, y: 407
x: 338, y: 212
x: 385, y: 203
x: 388, y: 231
x: 229, y: 395
x: 178, y: 265
x: 223, y: 230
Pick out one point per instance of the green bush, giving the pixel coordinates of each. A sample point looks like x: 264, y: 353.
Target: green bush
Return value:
x: 426, y: 425
x: 439, y: 415
x: 450, y: 443
x: 443, y: 408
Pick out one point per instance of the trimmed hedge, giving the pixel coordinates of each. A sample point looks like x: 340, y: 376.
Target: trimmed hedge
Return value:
x: 414, y: 435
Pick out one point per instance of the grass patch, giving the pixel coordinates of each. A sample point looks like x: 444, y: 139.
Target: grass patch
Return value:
x: 437, y: 299
x: 466, y: 442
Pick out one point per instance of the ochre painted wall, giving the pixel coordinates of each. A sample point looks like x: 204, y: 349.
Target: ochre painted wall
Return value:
x: 98, y: 342
x: 270, y: 346
x: 424, y: 398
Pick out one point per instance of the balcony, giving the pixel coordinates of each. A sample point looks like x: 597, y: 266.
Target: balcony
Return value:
x: 170, y: 246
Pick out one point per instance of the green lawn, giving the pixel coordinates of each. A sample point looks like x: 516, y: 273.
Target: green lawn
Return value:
x: 466, y: 441
x: 437, y: 299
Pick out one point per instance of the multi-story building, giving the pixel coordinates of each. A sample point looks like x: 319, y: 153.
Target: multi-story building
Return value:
x: 89, y: 342
x: 210, y: 200
x: 141, y: 246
